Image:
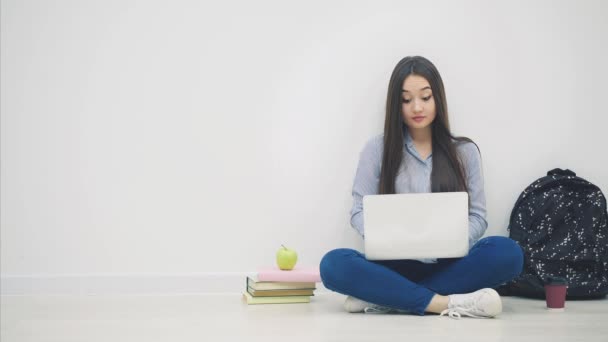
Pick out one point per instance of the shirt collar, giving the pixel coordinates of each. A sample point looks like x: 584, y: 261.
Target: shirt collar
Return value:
x: 408, y: 139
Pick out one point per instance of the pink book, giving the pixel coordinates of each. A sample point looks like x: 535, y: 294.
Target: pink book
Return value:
x: 303, y: 274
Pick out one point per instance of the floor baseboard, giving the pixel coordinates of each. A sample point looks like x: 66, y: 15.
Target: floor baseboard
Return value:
x: 134, y: 284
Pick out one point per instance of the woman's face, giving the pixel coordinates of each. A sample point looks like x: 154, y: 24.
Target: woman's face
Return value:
x: 418, y: 105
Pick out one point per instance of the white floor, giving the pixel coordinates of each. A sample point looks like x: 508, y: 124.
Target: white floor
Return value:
x: 227, y: 318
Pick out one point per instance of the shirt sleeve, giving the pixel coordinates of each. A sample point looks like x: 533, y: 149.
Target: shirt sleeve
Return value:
x: 477, y: 208
x: 367, y: 179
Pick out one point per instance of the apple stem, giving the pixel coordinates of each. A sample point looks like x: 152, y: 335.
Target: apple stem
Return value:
x: 283, y: 246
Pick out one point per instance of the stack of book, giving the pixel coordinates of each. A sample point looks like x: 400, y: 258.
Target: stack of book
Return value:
x: 270, y: 285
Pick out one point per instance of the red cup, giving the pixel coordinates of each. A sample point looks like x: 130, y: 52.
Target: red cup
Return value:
x: 555, y: 293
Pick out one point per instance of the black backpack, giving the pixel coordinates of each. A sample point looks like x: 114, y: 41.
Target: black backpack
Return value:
x: 560, y: 223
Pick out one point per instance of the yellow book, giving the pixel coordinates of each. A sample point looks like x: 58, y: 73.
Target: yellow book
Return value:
x: 247, y: 298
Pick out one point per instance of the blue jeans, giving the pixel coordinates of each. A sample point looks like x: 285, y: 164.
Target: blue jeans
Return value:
x: 410, y: 285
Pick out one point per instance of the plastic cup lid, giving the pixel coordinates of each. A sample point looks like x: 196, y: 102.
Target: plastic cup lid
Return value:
x: 553, y: 280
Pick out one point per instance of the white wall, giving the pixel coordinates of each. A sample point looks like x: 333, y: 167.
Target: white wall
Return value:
x: 153, y: 137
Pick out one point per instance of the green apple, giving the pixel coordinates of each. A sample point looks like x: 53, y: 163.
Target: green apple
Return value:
x: 286, y: 258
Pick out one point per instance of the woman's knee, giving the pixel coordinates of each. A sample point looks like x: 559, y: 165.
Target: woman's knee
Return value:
x: 506, y: 254
x: 334, y: 264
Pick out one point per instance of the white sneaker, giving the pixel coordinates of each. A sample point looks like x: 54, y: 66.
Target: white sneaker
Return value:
x: 356, y: 305
x: 484, y: 303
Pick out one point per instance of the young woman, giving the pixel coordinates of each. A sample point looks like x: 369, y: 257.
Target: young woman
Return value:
x: 418, y: 153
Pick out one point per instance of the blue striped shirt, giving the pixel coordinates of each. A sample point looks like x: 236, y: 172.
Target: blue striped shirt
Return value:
x: 414, y: 176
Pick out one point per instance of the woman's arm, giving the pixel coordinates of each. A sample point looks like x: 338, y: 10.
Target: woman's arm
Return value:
x: 477, y: 209
x: 366, y: 180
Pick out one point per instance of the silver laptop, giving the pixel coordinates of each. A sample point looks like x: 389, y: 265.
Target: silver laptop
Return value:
x: 416, y: 225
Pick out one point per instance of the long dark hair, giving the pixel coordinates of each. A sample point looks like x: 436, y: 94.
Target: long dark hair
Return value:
x: 448, y: 173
